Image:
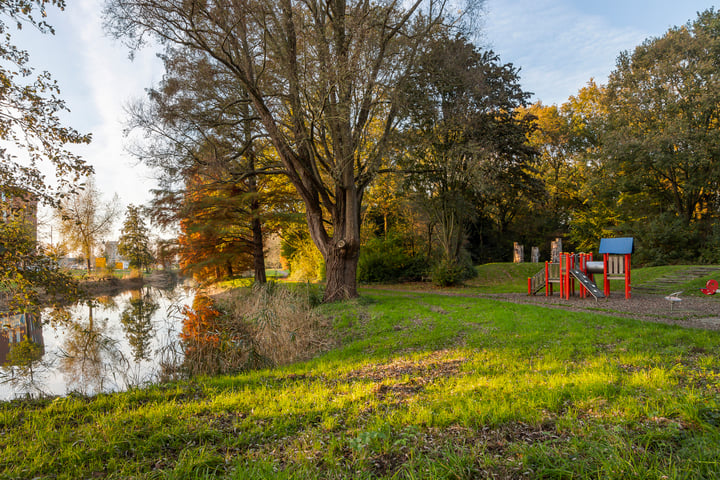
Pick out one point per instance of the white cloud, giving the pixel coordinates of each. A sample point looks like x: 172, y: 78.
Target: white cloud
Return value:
x: 112, y: 80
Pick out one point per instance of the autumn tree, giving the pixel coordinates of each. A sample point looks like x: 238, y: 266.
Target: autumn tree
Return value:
x: 85, y: 219
x: 317, y: 74
x: 201, y: 136
x: 468, y: 147
x: 31, y: 133
x: 134, y: 243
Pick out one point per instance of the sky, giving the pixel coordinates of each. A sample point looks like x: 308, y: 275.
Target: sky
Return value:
x: 559, y: 45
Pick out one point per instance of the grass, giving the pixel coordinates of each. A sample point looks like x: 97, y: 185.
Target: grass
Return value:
x: 423, y: 386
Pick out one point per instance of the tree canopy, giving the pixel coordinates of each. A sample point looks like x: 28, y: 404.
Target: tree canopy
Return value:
x: 322, y: 77
x: 85, y: 219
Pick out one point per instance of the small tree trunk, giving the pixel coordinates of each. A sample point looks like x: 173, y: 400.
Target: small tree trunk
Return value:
x: 258, y: 249
x: 256, y: 224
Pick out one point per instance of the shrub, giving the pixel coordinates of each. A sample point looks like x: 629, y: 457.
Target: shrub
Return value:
x: 307, y: 263
x: 385, y: 260
x: 453, y: 272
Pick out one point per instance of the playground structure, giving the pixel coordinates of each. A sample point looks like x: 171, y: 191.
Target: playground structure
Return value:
x: 710, y: 288
x: 615, y: 264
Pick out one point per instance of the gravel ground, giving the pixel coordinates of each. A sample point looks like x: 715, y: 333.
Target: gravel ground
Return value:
x: 696, y: 312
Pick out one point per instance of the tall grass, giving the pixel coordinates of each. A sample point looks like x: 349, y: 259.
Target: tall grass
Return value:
x: 245, y: 329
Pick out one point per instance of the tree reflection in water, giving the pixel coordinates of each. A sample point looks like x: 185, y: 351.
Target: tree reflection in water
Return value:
x: 89, y: 356
x: 110, y: 344
x: 23, y: 366
x: 136, y: 319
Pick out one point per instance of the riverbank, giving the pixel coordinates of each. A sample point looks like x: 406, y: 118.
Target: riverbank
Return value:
x: 422, y: 386
x: 110, y: 285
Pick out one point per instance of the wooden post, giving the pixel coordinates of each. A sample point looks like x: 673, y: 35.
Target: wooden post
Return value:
x: 518, y: 253
x: 535, y: 255
x: 555, y: 250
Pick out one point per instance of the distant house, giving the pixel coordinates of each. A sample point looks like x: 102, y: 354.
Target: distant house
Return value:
x: 112, y: 257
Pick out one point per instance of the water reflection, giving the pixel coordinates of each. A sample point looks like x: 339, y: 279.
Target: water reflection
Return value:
x: 137, y: 321
x: 111, y: 343
x: 21, y: 353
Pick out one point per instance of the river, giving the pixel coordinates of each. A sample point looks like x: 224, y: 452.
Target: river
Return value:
x: 116, y: 343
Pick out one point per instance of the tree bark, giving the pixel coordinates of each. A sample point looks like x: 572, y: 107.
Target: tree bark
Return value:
x: 341, y: 269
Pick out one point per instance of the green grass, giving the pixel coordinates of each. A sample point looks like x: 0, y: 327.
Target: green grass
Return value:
x: 422, y: 386
x: 512, y: 277
x: 504, y: 277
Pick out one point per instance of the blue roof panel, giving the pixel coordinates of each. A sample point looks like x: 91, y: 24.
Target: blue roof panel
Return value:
x: 616, y: 246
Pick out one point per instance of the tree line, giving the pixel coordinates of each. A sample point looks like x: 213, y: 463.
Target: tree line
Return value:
x: 351, y: 123
x: 381, y: 143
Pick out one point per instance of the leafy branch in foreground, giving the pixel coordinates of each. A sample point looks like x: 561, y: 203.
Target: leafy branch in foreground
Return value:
x: 28, y: 277
x: 30, y: 131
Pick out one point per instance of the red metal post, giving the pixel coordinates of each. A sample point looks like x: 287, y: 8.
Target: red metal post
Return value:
x: 548, y: 285
x: 606, y: 281
x: 627, y: 275
x: 562, y: 275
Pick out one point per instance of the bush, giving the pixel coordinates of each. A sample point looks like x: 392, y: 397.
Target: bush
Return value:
x: 385, y: 260
x: 447, y: 273
x: 667, y: 239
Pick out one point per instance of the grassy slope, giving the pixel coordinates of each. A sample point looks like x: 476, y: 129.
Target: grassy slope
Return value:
x: 424, y: 386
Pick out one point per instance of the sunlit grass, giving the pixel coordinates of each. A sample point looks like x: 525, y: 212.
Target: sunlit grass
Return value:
x: 424, y: 386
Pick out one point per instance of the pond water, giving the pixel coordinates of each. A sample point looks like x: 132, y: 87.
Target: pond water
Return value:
x: 115, y: 343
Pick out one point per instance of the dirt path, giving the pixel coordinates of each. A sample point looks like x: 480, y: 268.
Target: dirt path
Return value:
x: 695, y: 312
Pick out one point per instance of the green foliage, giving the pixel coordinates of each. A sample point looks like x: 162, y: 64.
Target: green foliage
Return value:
x: 666, y: 239
x: 306, y: 262
x: 134, y: 243
x: 387, y: 260
x: 450, y: 272
x: 30, y: 279
x: 464, y: 132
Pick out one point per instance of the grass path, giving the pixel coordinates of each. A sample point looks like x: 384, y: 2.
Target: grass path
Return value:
x: 423, y: 386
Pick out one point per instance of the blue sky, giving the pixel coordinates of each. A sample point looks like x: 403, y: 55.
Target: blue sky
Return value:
x: 558, y: 44
x: 561, y: 44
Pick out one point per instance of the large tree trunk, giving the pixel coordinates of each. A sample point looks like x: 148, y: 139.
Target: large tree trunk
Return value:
x: 341, y: 271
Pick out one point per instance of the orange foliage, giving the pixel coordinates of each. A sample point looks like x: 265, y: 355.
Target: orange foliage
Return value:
x: 200, y: 325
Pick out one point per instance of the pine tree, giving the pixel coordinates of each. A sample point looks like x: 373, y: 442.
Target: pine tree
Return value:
x: 134, y: 242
